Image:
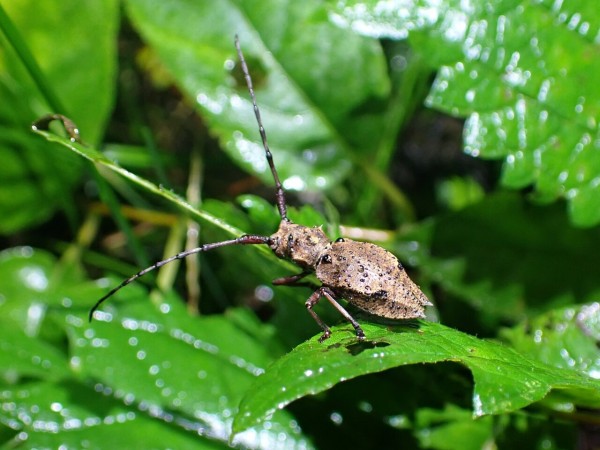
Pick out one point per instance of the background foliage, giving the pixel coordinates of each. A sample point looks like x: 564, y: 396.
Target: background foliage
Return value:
x: 503, y: 239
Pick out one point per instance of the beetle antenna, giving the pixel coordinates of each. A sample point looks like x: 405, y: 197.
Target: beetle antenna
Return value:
x: 279, y: 193
x: 242, y: 240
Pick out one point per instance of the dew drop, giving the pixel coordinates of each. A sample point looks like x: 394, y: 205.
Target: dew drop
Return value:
x: 477, y: 405
x: 365, y: 406
x: 398, y: 63
x: 229, y: 64
x: 470, y: 95
x: 56, y: 407
x: 263, y: 293
x: 336, y: 418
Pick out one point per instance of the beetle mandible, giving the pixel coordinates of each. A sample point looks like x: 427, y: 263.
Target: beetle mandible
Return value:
x: 365, y: 274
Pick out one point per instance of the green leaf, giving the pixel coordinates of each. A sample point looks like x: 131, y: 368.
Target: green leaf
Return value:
x: 36, y: 179
x: 566, y: 338
x: 312, y: 128
x: 28, y: 286
x: 23, y: 356
x: 522, y: 73
x: 141, y: 359
x: 72, y: 415
x: 166, y: 362
x: 505, y: 380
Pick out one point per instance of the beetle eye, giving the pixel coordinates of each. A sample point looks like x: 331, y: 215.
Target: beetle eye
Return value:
x: 340, y: 240
x: 326, y: 259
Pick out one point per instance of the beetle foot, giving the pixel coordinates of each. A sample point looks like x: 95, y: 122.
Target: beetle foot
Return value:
x: 326, y: 335
x: 360, y: 334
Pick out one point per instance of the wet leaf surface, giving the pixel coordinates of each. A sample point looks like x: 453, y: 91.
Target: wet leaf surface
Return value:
x: 566, y: 338
x: 521, y: 73
x: 312, y: 128
x: 504, y: 380
x: 141, y: 361
x: 75, y: 416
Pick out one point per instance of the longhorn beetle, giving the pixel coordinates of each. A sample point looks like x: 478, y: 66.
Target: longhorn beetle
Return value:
x: 366, y: 275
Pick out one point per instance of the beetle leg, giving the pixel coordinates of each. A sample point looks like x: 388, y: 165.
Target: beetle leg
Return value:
x: 330, y: 296
x: 293, y: 281
x: 290, y: 280
x: 312, y: 301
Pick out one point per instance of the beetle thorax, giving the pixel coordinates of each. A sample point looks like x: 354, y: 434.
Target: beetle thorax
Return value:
x: 300, y: 244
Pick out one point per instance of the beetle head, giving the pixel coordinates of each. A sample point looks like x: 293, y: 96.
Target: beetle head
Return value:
x: 303, y: 245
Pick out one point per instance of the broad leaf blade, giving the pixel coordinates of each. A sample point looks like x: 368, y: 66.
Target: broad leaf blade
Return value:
x: 566, y: 338
x: 311, y: 127
x: 71, y: 415
x: 23, y: 356
x: 523, y: 74
x: 505, y: 380
x: 141, y: 359
x: 165, y: 362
